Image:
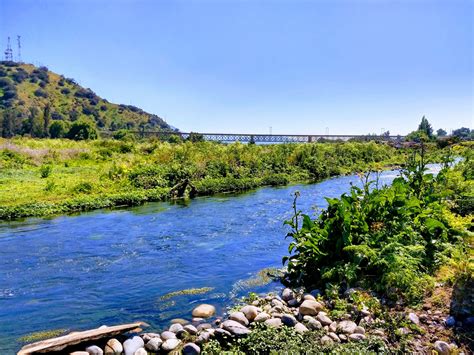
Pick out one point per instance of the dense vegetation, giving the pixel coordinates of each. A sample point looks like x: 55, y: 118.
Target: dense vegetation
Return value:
x: 390, y: 239
x: 53, y: 176
x: 39, y: 103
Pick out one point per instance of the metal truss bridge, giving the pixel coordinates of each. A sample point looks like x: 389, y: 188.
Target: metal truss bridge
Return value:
x: 263, y: 138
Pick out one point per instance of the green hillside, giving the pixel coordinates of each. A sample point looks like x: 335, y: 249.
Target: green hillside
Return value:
x: 32, y: 98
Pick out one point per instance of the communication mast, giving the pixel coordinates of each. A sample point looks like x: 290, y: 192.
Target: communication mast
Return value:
x: 18, y: 40
x: 9, y: 52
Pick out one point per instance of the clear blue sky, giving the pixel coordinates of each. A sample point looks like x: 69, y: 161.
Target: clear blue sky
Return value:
x: 243, y: 66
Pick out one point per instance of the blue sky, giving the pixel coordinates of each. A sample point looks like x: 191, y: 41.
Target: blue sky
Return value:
x: 244, y: 66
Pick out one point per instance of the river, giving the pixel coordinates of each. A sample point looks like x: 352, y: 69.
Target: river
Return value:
x: 114, y: 266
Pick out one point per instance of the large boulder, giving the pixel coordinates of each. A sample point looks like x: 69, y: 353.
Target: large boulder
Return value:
x: 310, y: 308
x: 191, y: 329
x: 273, y: 322
x: 204, y: 311
x: 441, y: 347
x: 235, y: 328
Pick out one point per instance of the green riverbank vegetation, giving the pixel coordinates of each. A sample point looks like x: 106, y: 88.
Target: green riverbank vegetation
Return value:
x: 40, y: 177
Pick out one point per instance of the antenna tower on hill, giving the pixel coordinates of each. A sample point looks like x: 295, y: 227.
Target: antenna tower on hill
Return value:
x: 18, y: 41
x: 9, y: 52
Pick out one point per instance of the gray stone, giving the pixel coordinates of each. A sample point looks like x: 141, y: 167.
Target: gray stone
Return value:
x: 133, y: 344
x: 450, y: 321
x: 191, y: 349
x: 277, y: 303
x: 196, y: 320
x: 313, y: 324
x: 94, y: 350
x: 273, y: 322
x: 325, y: 340
x: 413, y: 318
x: 378, y: 332
x: 204, y: 311
x: 293, y: 303
x: 203, y: 337
x: 235, y: 327
x: 154, y: 344
x: 204, y: 326
x: 79, y: 353
x: 140, y: 351
x: 308, y: 297
x: 323, y: 319
x: 343, y: 337
x: 239, y: 317
x: 176, y: 328
x: 334, y: 337
x: 262, y: 317
x: 287, y: 294
x: 333, y: 327
x: 359, y: 330
x: 365, y: 312
x: 191, y: 329
x: 301, y: 328
x: 288, y: 320
x: 310, y: 308
x: 356, y: 337
x: 113, y: 347
x: 441, y: 347
x: 222, y: 333
x: 170, y: 344
x: 181, y: 321
x: 168, y: 335
x: 346, y: 327
x: 148, y: 336
x: 250, y: 312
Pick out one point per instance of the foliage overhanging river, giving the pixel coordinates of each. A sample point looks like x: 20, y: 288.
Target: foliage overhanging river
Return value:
x: 108, y: 267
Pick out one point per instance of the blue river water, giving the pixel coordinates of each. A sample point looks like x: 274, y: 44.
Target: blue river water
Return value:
x: 113, y: 266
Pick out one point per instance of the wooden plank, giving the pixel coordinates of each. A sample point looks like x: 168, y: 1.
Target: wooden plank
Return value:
x: 59, y: 343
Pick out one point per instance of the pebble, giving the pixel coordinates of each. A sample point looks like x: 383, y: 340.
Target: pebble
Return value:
x: 94, y: 350
x: 356, y: 337
x: 313, y: 324
x: 204, y: 326
x: 203, y: 337
x: 333, y: 327
x: 239, y: 317
x: 222, y: 333
x: 441, y: 347
x: 148, y: 336
x: 450, y: 321
x: 176, y: 328
x: 293, y: 303
x: 310, y: 308
x: 287, y: 294
x: 262, y: 317
x: 154, y: 344
x: 191, y: 329
x: 289, y: 320
x: 414, y: 318
x: 170, y: 344
x: 346, y: 326
x: 179, y: 321
x: 191, y: 349
x: 343, y: 337
x: 359, y: 330
x: 235, y: 327
x: 309, y: 297
x: 273, y: 322
x: 301, y: 328
x: 204, y: 311
x: 168, y: 335
x: 133, y: 344
x: 79, y: 353
x: 250, y: 312
x: 114, y: 347
x: 140, y: 351
x: 334, y: 337
x: 326, y: 340
x: 323, y: 319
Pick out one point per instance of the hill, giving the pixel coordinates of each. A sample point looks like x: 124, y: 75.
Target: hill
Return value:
x: 32, y: 98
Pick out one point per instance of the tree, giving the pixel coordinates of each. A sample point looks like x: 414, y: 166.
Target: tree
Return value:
x: 82, y: 130
x: 46, y: 119
x: 8, y: 123
x: 441, y: 133
x: 58, y: 129
x: 462, y: 132
x: 426, y: 127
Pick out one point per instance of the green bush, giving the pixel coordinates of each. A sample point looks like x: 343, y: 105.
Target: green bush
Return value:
x: 45, y: 171
x: 148, y: 177
x: 58, y: 129
x: 82, y: 130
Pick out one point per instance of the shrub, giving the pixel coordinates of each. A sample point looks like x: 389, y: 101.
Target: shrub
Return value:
x: 45, y: 171
x: 41, y: 93
x: 58, y: 129
x: 83, y: 187
x: 65, y: 91
x: 148, y: 177
x: 82, y: 130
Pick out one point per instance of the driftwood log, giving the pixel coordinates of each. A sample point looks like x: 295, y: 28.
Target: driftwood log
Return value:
x: 59, y: 343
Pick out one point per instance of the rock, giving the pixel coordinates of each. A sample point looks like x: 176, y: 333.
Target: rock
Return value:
x: 262, y: 317
x: 154, y: 344
x: 359, y: 330
x: 333, y: 327
x: 168, y: 335
x: 287, y: 294
x: 191, y: 329
x: 346, y: 327
x: 325, y: 340
x: 239, y: 317
x: 356, y: 337
x: 250, y: 312
x: 378, y: 332
x: 441, y: 347
x: 79, y: 353
x: 113, y: 347
x: 273, y: 322
x: 133, y: 344
x: 308, y: 297
x: 289, y: 320
x: 334, y: 337
x: 203, y: 338
x: 141, y: 351
x: 293, y: 303
x: 148, y: 336
x: 176, y: 328
x: 94, y: 350
x: 413, y: 318
x: 313, y: 324
x: 315, y: 293
x: 204, y: 311
x: 235, y: 327
x: 204, y: 326
x: 323, y: 319
x: 402, y: 331
x: 277, y: 303
x: 191, y: 349
x: 196, y: 320
x: 343, y: 337
x: 181, y: 321
x: 222, y: 333
x: 450, y: 321
x: 301, y: 328
x: 170, y: 344
x: 310, y: 308
x: 365, y: 312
